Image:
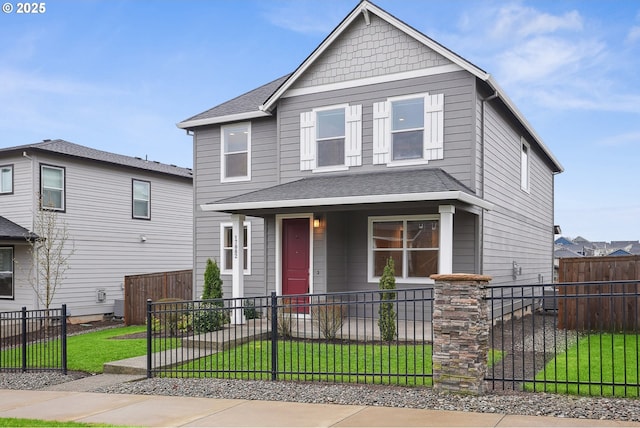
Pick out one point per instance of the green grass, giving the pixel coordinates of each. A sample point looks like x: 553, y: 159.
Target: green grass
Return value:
x: 21, y: 422
x: 606, y: 358
x: 89, y: 351
x: 409, y: 365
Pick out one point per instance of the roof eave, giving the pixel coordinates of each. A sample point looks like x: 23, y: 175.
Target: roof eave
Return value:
x: 455, y: 195
x: 188, y: 124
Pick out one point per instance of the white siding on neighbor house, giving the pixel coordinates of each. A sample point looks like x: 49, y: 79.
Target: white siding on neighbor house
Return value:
x: 520, y: 228
x: 209, y: 189
x: 18, y: 207
x: 106, y: 239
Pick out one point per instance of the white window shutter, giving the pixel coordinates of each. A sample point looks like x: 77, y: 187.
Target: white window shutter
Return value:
x: 353, y: 135
x: 307, y: 140
x: 434, y: 127
x: 381, y: 132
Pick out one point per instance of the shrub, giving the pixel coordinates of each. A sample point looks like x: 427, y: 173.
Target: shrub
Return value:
x: 211, y: 315
x: 171, y: 312
x: 285, y: 320
x: 329, y: 316
x: 386, y: 313
x: 250, y: 312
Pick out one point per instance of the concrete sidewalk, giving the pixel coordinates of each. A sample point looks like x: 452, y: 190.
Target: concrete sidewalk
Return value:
x: 165, y: 411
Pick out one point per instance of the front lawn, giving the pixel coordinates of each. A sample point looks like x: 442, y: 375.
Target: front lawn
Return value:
x: 603, y: 358
x: 87, y: 352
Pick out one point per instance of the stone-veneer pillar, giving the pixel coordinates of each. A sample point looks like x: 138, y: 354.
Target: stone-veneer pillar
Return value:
x: 460, y: 333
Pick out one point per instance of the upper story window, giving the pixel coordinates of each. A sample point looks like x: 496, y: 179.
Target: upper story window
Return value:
x: 412, y: 242
x: 52, y: 187
x: 408, y: 129
x: 236, y: 152
x: 226, y: 248
x: 6, y: 179
x: 141, y: 199
x: 331, y: 138
x: 6, y: 272
x: 524, y: 165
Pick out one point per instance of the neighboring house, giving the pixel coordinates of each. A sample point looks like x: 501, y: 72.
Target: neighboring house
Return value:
x: 382, y: 143
x: 124, y: 216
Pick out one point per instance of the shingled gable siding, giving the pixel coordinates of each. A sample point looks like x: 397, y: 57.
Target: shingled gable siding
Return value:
x: 520, y: 227
x: 264, y: 173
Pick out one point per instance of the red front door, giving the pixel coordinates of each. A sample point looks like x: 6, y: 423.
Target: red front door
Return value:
x: 295, y: 257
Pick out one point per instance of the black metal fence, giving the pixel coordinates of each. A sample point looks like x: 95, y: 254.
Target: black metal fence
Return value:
x: 566, y: 338
x: 34, y: 340
x: 337, y: 337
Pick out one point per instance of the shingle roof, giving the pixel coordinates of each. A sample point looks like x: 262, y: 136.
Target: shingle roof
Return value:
x: 76, y: 150
x: 351, y: 185
x: 245, y: 103
x: 9, y: 231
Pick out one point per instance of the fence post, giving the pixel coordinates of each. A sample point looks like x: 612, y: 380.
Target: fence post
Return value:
x: 63, y: 317
x: 460, y: 333
x: 149, y: 335
x: 24, y: 338
x: 274, y: 336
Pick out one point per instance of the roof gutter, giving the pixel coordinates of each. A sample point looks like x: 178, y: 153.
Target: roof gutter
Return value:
x: 188, y: 124
x: 454, y: 195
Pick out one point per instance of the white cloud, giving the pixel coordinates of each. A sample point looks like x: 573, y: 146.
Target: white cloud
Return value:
x: 515, y: 19
x: 634, y: 34
x: 629, y: 138
x: 305, y: 16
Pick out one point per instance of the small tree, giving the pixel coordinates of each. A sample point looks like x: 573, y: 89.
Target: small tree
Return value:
x: 51, y: 249
x: 213, y: 315
x: 386, y: 313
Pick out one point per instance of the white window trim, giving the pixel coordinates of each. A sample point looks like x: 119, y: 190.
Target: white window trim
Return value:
x: 223, y: 260
x: 525, y: 180
x: 338, y: 167
x: 405, y: 162
x: 3, y: 168
x: 223, y: 178
x: 13, y: 273
x: 133, y: 200
x: 404, y: 279
x: 63, y: 198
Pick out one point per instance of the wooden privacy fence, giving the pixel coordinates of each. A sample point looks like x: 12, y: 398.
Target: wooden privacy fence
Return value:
x: 154, y: 286
x: 608, y: 307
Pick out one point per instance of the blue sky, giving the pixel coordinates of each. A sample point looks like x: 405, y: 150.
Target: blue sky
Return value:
x: 118, y: 75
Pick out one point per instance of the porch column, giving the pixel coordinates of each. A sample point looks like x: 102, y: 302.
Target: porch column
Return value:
x: 446, y: 238
x: 237, y: 278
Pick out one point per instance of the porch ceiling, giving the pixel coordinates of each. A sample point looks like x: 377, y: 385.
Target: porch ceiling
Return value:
x: 9, y: 231
x: 413, y: 185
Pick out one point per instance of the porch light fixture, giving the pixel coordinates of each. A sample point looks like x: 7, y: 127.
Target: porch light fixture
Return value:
x: 143, y: 238
x: 316, y: 222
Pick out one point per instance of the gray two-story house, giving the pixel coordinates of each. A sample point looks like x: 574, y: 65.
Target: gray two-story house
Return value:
x: 382, y: 143
x: 123, y: 215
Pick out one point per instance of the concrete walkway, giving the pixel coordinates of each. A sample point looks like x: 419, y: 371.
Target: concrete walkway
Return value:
x: 71, y: 402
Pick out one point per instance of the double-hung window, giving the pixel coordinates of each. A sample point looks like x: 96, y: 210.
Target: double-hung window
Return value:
x: 52, y: 187
x: 6, y: 272
x: 6, y: 179
x: 412, y: 242
x: 141, y: 199
x: 408, y: 129
x: 227, y: 247
x: 236, y: 152
x: 331, y: 138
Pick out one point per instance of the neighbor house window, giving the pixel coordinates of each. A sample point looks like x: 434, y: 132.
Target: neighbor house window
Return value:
x: 236, y: 152
x: 52, y: 187
x: 524, y: 166
x: 6, y: 179
x: 6, y: 273
x: 226, y: 248
x: 412, y: 242
x: 141, y: 203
